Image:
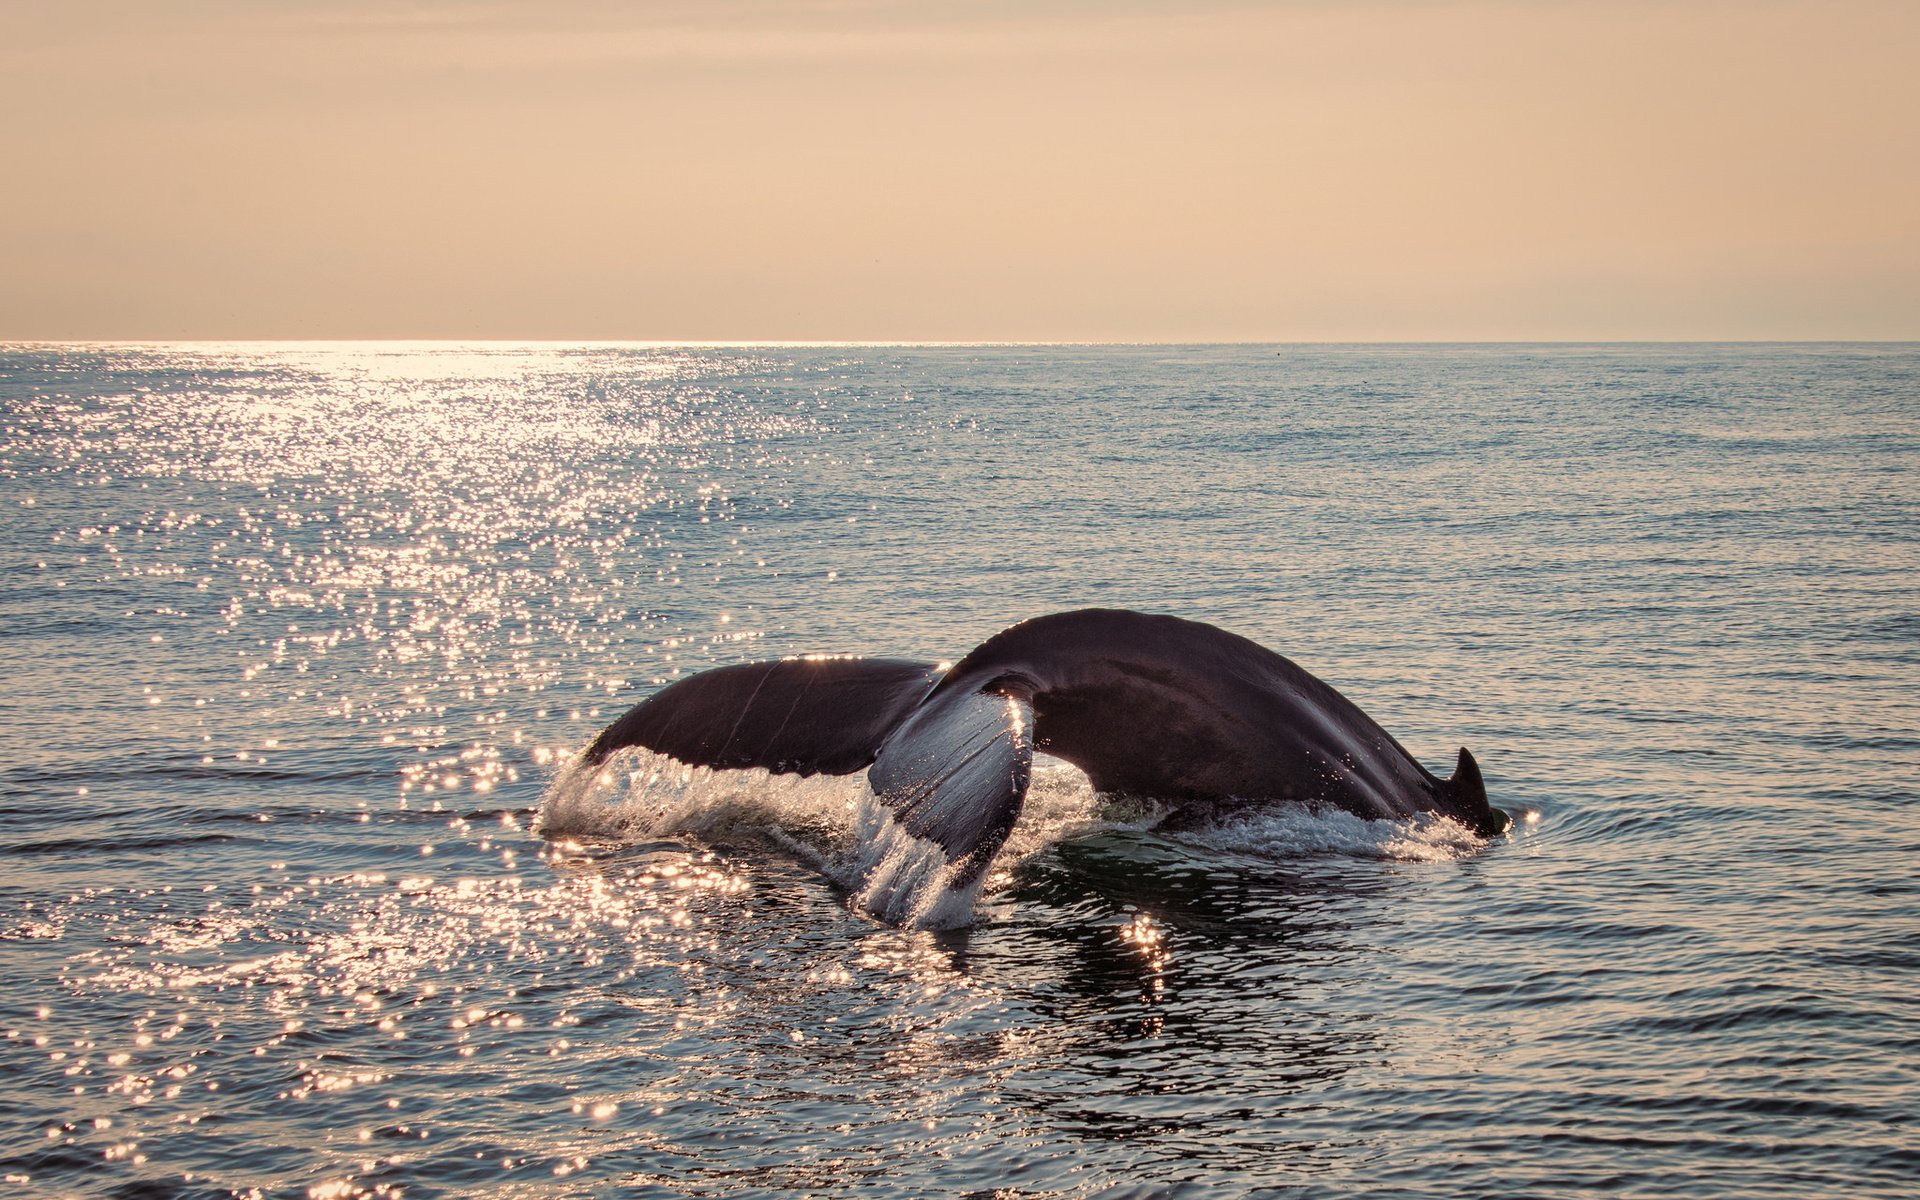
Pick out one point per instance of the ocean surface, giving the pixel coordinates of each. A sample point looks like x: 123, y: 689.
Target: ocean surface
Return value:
x: 296, y: 639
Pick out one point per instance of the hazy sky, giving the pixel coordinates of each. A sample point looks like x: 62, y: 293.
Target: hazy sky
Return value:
x: 900, y: 169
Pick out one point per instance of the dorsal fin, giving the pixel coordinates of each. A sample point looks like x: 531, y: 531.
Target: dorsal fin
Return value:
x: 1466, y: 793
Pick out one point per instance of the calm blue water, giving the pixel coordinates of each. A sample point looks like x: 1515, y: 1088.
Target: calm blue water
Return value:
x: 294, y: 639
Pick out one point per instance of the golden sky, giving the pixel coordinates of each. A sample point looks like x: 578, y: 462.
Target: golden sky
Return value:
x: 909, y: 170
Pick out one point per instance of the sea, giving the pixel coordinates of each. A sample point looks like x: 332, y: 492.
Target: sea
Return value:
x: 298, y: 897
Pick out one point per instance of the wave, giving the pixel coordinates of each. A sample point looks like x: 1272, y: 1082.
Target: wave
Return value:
x: 837, y: 826
x: 113, y: 845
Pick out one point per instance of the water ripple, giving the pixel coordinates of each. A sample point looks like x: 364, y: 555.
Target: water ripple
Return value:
x: 297, y: 638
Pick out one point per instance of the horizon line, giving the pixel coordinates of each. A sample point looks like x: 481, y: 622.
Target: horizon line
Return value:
x: 931, y: 343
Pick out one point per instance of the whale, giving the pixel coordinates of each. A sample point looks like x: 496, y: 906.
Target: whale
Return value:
x: 1148, y: 705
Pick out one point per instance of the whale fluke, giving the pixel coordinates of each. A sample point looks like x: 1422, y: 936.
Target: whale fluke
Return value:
x: 1147, y: 704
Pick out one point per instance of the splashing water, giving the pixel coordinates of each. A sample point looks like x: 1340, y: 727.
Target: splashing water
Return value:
x: 832, y: 823
x: 837, y: 826
x: 1289, y: 831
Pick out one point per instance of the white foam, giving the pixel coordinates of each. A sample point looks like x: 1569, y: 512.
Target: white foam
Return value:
x: 835, y: 824
x: 1285, y: 832
x: 637, y: 794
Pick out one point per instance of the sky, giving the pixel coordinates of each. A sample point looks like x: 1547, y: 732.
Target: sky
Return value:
x: 904, y: 170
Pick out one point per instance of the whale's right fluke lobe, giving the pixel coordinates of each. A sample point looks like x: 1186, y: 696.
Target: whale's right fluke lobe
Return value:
x: 804, y: 715
x: 955, y: 773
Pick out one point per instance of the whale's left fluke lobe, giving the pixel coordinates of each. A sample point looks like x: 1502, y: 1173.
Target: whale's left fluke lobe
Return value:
x: 809, y: 716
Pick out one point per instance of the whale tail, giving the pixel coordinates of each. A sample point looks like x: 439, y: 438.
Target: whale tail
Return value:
x: 1466, y: 795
